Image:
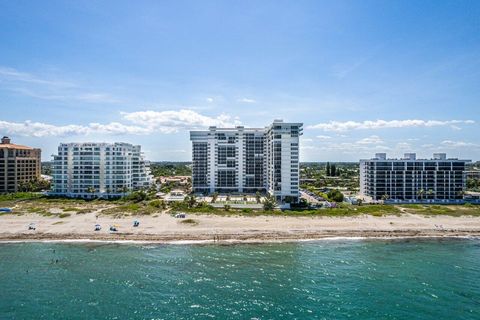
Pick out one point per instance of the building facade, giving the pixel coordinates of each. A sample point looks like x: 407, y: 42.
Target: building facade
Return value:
x: 18, y: 165
x: 247, y: 160
x: 438, y: 180
x: 105, y: 170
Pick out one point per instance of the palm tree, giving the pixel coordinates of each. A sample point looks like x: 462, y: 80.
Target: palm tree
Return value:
x: 91, y: 190
x: 258, y: 197
x: 191, y: 201
x: 430, y: 192
x: 123, y: 190
x: 385, y: 197
x: 269, y: 203
x: 214, y: 197
x: 420, y: 193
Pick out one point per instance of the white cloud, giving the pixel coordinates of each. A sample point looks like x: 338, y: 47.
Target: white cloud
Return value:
x: 322, y: 137
x: 247, y: 100
x: 172, y: 120
x: 209, y: 100
x: 459, y: 144
x: 144, y: 122
x: 39, y: 129
x: 371, y: 140
x: 302, y: 139
x: 308, y: 147
x: 96, y: 98
x: 403, y: 146
x: 338, y: 126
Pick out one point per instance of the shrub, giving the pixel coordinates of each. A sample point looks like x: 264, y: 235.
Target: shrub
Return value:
x: 335, y: 195
x: 189, y: 221
x: 269, y: 203
x: 136, y: 196
x: 157, y: 204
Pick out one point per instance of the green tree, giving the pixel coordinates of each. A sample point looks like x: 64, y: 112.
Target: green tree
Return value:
x: 191, y: 201
x: 335, y: 195
x: 137, y: 196
x: 227, y: 207
x: 124, y: 190
x: 333, y: 170
x: 269, y: 203
x: 327, y: 169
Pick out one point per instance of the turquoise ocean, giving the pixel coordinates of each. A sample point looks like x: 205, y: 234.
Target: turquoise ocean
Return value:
x: 328, y: 279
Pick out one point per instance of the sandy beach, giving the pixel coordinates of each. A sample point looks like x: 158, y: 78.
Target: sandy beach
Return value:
x: 165, y: 228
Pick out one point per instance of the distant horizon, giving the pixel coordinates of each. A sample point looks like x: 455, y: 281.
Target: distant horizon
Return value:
x: 363, y: 76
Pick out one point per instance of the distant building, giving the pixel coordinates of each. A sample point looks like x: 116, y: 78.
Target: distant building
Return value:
x: 106, y: 170
x: 18, y: 165
x: 247, y: 160
x: 413, y: 180
x: 472, y: 174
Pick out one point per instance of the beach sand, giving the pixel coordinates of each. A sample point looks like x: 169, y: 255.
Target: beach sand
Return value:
x: 165, y: 228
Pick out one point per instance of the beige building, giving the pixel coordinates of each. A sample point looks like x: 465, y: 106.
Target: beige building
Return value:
x: 18, y: 164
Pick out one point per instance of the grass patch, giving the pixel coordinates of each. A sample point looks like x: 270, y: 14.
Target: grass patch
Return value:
x: 131, y: 209
x: 58, y: 222
x: 347, y: 211
x: 20, y: 196
x: 83, y: 211
x: 448, y: 210
x: 39, y: 211
x: 64, y: 215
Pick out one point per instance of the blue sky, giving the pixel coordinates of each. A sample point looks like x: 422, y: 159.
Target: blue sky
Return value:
x: 363, y: 76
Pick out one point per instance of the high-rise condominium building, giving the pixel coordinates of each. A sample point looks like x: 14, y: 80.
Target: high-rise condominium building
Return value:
x: 247, y: 160
x: 106, y: 170
x: 412, y: 180
x: 18, y: 165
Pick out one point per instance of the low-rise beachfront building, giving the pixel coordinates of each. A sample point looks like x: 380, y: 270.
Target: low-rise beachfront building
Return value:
x: 104, y: 170
x: 247, y: 160
x: 18, y: 165
x: 411, y: 180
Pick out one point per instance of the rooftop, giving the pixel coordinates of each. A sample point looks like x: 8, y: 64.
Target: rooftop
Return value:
x: 413, y: 157
x: 6, y: 144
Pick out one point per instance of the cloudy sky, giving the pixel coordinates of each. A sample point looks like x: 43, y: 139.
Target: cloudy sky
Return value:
x: 363, y: 76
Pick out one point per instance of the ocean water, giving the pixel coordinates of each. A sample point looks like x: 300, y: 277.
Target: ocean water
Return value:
x: 333, y: 279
